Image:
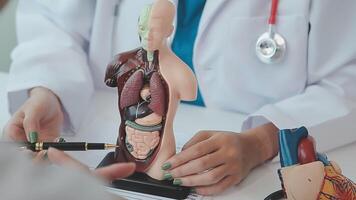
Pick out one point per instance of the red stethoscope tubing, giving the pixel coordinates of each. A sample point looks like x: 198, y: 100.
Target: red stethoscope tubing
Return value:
x: 273, y: 15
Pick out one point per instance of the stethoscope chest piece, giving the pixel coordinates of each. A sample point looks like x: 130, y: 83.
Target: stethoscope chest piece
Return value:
x: 271, y: 47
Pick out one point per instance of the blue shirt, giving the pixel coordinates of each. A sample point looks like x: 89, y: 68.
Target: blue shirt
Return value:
x: 188, y: 19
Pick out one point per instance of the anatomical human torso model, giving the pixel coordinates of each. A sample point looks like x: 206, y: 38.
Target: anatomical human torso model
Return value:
x: 307, y: 174
x: 151, y: 81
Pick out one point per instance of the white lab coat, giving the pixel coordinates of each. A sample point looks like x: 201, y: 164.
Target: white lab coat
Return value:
x: 65, y: 46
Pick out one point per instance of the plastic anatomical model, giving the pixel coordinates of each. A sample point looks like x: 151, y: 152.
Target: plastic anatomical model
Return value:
x: 151, y: 80
x: 306, y: 174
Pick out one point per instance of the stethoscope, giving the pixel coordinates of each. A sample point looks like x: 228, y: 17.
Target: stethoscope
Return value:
x: 271, y: 46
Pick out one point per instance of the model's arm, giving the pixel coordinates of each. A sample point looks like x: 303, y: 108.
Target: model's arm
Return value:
x: 186, y: 82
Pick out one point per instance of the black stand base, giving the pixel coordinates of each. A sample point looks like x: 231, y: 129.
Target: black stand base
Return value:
x: 140, y: 182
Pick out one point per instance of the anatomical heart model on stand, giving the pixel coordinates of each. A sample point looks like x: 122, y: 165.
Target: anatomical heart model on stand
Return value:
x: 151, y: 80
x: 306, y: 174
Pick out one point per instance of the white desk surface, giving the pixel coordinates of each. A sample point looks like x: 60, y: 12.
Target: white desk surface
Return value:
x: 101, y: 125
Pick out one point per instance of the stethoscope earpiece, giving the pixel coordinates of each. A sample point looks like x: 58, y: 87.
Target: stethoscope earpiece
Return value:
x: 271, y: 46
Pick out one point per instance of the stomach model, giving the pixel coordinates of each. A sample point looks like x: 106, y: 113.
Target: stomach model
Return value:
x: 143, y: 100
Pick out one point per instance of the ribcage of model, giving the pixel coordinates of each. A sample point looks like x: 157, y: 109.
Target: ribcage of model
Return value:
x: 143, y: 101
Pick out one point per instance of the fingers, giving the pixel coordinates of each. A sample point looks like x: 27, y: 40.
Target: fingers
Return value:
x: 29, y: 153
x: 200, y: 136
x: 21, y: 125
x: 221, y: 186
x: 196, y: 151
x: 39, y: 157
x: 62, y: 159
x: 198, y: 165
x: 116, y: 171
x: 31, y: 123
x: 204, y: 179
x: 14, y: 128
x: 40, y: 113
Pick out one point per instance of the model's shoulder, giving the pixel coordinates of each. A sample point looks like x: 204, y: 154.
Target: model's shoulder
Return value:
x: 123, y: 63
x: 186, y: 81
x: 124, y: 56
x: 179, y: 65
x: 179, y: 70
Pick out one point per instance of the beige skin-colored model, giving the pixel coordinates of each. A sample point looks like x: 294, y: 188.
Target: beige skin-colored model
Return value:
x: 151, y: 81
x: 303, y: 181
x: 316, y: 181
x: 180, y: 79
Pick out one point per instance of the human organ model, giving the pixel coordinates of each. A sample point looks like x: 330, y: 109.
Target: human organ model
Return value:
x: 151, y: 81
x: 308, y: 175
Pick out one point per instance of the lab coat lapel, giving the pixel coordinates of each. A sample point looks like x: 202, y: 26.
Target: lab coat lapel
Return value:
x: 210, y: 10
x: 101, y: 37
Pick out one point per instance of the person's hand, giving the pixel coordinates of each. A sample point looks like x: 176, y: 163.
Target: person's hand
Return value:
x: 109, y: 173
x: 213, y: 161
x: 57, y: 157
x: 40, y: 113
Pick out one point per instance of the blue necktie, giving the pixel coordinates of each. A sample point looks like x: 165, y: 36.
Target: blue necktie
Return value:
x: 188, y: 19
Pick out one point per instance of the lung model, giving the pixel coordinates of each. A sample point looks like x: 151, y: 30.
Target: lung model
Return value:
x: 143, y: 100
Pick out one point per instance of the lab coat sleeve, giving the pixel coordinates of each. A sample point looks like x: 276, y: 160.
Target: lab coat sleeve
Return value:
x: 52, y: 52
x: 326, y: 106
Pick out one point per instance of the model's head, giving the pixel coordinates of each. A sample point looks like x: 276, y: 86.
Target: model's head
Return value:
x: 155, y: 24
x: 143, y: 30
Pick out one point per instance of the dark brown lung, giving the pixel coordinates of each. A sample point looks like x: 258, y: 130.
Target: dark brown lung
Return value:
x: 121, y: 65
x: 158, y: 96
x: 131, y: 92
